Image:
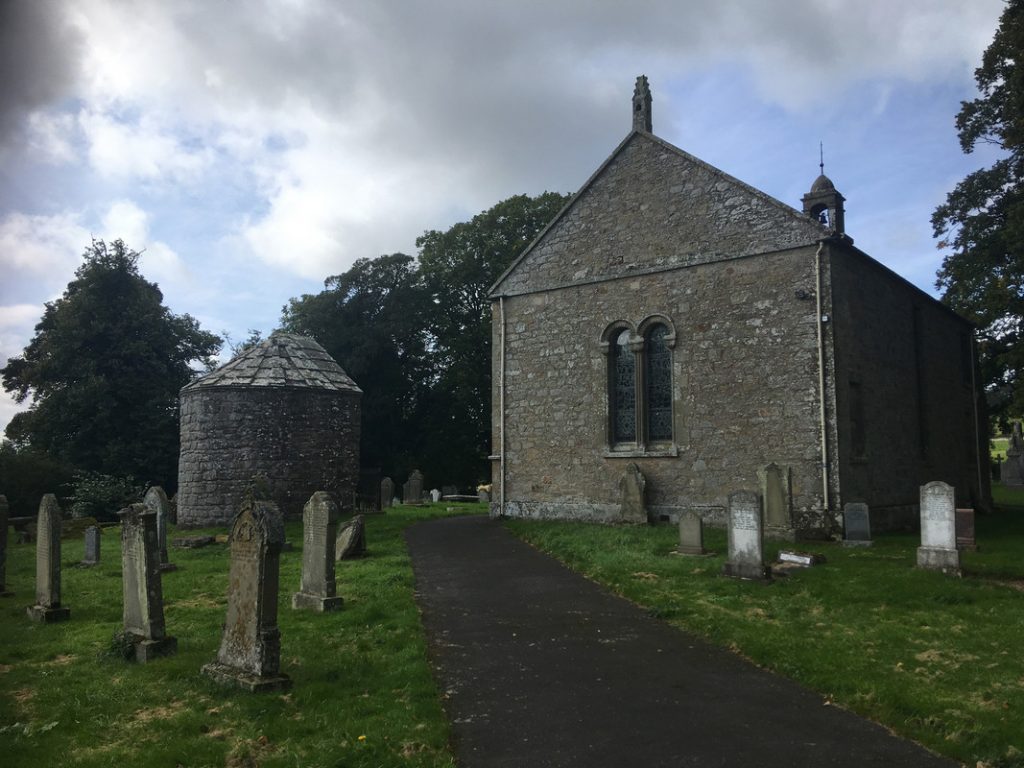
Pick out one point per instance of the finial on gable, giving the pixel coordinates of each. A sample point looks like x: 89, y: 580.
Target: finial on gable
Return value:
x: 642, y: 105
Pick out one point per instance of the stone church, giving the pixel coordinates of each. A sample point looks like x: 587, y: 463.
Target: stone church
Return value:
x: 675, y: 320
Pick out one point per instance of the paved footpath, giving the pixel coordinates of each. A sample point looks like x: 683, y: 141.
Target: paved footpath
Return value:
x: 544, y: 668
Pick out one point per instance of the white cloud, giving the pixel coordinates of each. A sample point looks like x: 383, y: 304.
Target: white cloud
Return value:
x: 143, y: 149
x: 159, y: 262
x: 43, y: 248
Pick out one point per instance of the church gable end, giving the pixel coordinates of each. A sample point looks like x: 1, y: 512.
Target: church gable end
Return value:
x: 650, y: 207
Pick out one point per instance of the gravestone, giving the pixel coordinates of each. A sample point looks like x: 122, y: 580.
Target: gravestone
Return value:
x: 319, y: 526
x: 387, y: 492
x: 965, y: 530
x: 351, y: 541
x: 250, y: 648
x: 746, y: 538
x: 632, y: 485
x: 1013, y: 468
x: 143, y: 592
x: 691, y: 534
x: 4, y: 513
x: 856, y: 525
x: 157, y: 502
x: 449, y: 490
x: 92, y: 546
x: 775, y: 493
x: 435, y: 495
x: 484, y: 496
x: 938, y: 529
x: 48, y: 608
x: 412, y: 491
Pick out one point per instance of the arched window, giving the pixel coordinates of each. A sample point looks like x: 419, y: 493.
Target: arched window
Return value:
x: 658, y: 384
x: 622, y: 389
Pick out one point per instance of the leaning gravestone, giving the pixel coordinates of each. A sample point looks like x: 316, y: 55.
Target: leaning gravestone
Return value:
x: 387, y: 492
x: 632, y: 485
x: 691, y: 534
x: 3, y: 547
x: 412, y: 491
x: 156, y: 501
x: 48, y: 608
x: 92, y: 546
x: 938, y: 529
x: 746, y: 538
x: 250, y: 648
x: 319, y: 523
x: 856, y: 525
x: 351, y: 541
x: 143, y: 591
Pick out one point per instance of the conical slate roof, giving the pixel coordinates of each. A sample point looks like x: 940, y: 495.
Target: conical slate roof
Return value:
x: 283, y: 360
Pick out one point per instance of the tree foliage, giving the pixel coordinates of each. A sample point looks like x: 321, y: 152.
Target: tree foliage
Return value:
x: 104, y: 369
x: 981, y: 222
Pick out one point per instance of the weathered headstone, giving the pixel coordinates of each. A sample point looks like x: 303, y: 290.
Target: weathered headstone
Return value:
x: 143, y: 591
x: 435, y: 495
x: 156, y: 501
x: 746, y: 537
x: 775, y: 494
x: 351, y: 541
x: 632, y: 485
x: 387, y: 492
x: 938, y: 529
x: 92, y: 546
x: 4, y: 512
x: 1013, y: 467
x: 965, y: 530
x: 856, y: 525
x: 319, y: 526
x: 412, y: 491
x: 250, y: 648
x: 484, y: 496
x: 691, y: 534
x: 48, y: 608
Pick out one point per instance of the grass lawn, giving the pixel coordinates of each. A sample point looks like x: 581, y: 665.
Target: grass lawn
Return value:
x: 363, y: 693
x: 937, y: 659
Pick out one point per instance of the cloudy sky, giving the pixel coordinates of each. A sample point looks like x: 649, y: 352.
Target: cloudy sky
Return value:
x: 252, y: 148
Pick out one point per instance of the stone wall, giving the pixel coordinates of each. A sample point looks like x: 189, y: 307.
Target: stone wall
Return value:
x: 910, y: 359
x: 744, y: 380
x: 303, y: 440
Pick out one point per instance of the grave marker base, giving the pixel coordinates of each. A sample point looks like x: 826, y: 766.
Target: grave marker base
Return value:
x: 744, y: 571
x: 147, y: 650
x: 46, y: 615
x: 239, y: 678
x: 857, y: 542
x: 938, y: 559
x: 167, y: 567
x: 303, y: 601
x: 692, y: 551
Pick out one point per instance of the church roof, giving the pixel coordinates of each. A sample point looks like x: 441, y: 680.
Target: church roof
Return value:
x: 283, y: 360
x: 823, y: 184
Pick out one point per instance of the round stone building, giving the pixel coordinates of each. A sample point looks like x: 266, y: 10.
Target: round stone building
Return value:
x: 283, y: 410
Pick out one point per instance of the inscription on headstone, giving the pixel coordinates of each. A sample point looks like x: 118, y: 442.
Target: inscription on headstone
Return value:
x: 938, y: 529
x: 412, y: 491
x: 746, y: 537
x: 856, y: 525
x: 387, y: 492
x: 92, y: 546
x: 351, y: 541
x: 319, y: 526
x: 156, y: 501
x: 965, y: 530
x: 4, y: 512
x: 691, y: 534
x: 250, y: 648
x: 48, y: 608
x: 143, y: 591
x: 632, y: 487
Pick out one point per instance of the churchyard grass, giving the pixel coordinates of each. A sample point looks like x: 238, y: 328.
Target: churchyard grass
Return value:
x: 363, y: 694
x: 935, y: 658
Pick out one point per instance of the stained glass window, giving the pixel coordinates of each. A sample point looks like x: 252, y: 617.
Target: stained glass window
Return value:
x: 623, y: 390
x: 659, y: 384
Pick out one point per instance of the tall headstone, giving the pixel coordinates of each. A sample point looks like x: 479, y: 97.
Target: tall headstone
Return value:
x: 691, y: 534
x: 143, y: 591
x: 351, y: 541
x: 632, y: 486
x: 965, y: 530
x: 412, y: 491
x: 157, y: 502
x: 250, y: 648
x: 319, y: 526
x: 938, y: 529
x: 4, y: 512
x: 856, y: 525
x: 92, y: 546
x: 775, y: 493
x: 746, y: 537
x: 48, y: 608
x: 387, y: 492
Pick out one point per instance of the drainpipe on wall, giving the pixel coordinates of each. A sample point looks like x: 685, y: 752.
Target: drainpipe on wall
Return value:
x: 501, y: 404
x: 821, y: 377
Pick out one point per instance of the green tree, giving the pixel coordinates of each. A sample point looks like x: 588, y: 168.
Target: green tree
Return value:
x: 103, y: 372
x: 981, y: 223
